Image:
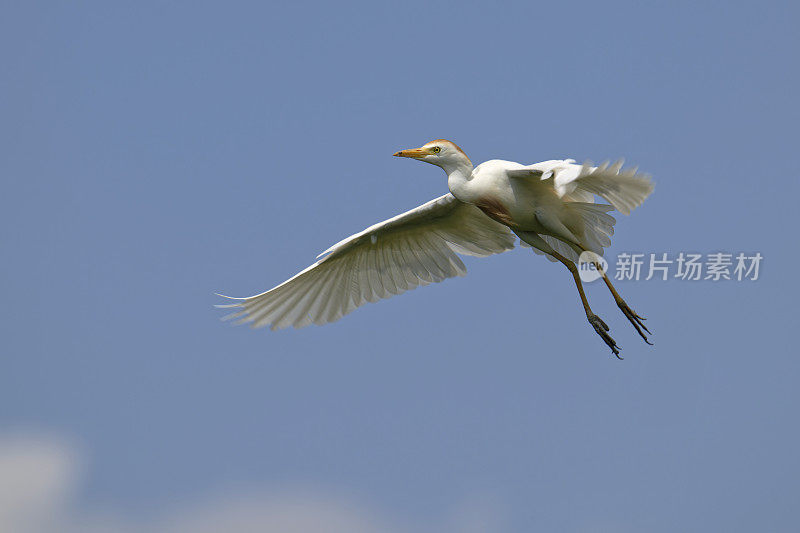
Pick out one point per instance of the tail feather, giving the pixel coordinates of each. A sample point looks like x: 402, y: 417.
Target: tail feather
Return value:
x: 598, y: 225
x: 597, y: 230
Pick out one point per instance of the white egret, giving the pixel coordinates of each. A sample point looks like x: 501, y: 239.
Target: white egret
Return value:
x: 550, y: 206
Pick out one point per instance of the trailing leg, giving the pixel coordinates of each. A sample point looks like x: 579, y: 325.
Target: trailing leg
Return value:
x: 629, y: 313
x: 600, y: 327
x: 597, y: 323
x: 633, y: 317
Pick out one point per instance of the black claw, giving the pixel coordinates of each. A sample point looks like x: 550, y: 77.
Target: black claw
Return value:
x: 634, y: 319
x: 601, y: 328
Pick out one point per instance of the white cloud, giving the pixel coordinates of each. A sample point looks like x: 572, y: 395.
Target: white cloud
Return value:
x: 289, y: 513
x: 39, y: 476
x: 36, y: 477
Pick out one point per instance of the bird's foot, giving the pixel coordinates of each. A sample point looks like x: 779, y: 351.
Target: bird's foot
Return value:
x: 602, y: 329
x: 634, y: 319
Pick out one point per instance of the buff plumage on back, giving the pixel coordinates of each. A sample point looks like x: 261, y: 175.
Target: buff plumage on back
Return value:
x: 412, y: 249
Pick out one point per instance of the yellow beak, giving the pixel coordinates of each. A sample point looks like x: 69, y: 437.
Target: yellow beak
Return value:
x: 414, y: 153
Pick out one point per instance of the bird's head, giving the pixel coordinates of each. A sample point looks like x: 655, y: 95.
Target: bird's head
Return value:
x: 441, y: 152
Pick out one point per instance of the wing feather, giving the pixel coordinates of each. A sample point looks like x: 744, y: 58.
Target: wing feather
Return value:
x: 416, y: 269
x: 387, y: 268
x: 375, y: 283
x: 625, y: 189
x: 321, y: 295
x: 398, y: 280
x: 337, y: 297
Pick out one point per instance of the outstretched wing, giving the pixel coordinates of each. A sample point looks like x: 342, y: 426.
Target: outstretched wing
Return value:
x: 415, y: 248
x: 625, y: 189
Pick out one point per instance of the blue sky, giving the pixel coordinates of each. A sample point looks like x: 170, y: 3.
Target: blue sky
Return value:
x: 155, y: 154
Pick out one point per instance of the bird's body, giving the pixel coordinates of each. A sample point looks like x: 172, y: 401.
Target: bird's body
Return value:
x: 510, y: 201
x: 550, y: 206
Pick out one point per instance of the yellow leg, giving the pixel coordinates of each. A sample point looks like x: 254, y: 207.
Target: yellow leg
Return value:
x: 600, y: 327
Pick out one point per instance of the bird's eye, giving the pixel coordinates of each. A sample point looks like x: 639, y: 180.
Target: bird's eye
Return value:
x: 436, y: 150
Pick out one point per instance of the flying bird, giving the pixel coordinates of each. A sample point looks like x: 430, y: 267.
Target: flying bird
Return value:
x: 550, y: 206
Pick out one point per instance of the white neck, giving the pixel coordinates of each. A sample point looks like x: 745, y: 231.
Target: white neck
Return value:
x: 459, y: 173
